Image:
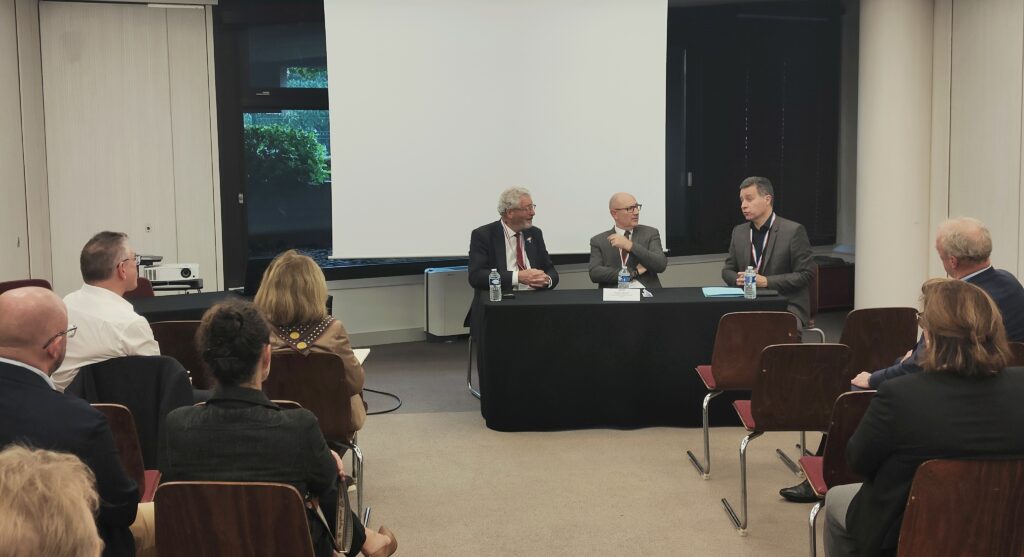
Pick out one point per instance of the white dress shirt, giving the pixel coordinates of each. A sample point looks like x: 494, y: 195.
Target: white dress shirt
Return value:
x: 510, y: 256
x: 108, y: 327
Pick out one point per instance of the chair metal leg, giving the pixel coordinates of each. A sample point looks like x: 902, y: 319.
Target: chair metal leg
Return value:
x: 816, y: 330
x: 469, y: 370
x: 357, y: 472
x: 789, y: 463
x: 705, y: 468
x: 812, y: 523
x: 366, y: 516
x: 740, y: 523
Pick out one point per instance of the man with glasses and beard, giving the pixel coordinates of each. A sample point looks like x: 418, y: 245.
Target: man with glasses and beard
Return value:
x: 108, y: 326
x: 628, y: 243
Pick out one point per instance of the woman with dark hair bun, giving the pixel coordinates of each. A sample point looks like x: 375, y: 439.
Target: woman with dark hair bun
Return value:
x: 240, y: 435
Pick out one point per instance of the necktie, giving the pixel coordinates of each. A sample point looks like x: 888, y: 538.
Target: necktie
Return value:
x: 628, y: 233
x: 623, y: 254
x: 520, y: 260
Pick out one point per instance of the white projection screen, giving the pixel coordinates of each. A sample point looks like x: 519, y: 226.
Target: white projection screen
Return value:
x: 436, y: 106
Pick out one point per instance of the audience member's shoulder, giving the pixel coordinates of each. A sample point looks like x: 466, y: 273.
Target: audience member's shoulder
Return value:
x: 301, y: 416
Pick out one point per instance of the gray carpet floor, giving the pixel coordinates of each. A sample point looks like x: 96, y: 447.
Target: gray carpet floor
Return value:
x: 447, y: 485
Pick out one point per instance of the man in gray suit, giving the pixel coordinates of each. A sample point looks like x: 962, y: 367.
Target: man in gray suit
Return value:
x: 778, y: 249
x: 628, y: 243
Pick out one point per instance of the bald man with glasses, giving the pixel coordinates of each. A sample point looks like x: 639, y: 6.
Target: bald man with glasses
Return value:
x: 108, y: 326
x: 628, y: 243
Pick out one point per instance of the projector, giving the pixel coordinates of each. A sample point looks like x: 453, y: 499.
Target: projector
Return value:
x: 176, y: 271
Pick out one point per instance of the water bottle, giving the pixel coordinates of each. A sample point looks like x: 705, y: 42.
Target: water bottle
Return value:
x: 494, y: 279
x: 749, y: 283
x: 624, y: 278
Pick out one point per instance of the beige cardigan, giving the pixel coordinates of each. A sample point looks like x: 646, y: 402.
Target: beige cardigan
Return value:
x: 334, y: 340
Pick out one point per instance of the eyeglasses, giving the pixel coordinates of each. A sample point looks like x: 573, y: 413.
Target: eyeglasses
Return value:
x: 530, y: 207
x: 632, y: 208
x: 136, y: 258
x: 69, y: 332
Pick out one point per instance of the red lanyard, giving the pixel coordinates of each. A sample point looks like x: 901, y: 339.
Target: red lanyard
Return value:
x: 758, y: 261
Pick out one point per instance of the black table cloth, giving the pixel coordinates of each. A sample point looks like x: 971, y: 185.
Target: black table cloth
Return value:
x: 179, y: 307
x: 564, y: 359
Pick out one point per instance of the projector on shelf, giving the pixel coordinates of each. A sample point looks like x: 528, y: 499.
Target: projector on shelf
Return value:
x: 174, y: 271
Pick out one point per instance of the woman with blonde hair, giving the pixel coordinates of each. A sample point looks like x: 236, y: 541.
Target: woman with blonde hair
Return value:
x: 293, y: 299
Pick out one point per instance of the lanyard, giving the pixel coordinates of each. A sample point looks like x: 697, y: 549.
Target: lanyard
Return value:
x: 758, y: 261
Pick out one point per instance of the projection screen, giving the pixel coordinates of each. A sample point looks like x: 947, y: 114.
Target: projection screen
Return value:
x: 436, y: 106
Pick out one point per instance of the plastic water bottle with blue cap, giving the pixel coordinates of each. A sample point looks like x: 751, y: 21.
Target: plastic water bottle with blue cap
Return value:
x: 624, y: 278
x: 494, y: 279
x: 749, y: 283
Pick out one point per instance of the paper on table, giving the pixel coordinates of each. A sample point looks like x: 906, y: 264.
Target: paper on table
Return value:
x: 722, y: 292
x: 361, y: 354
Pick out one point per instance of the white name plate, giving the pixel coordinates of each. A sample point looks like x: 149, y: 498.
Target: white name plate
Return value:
x: 621, y: 294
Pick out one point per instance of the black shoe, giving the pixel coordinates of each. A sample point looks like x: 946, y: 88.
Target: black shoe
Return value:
x: 799, y: 493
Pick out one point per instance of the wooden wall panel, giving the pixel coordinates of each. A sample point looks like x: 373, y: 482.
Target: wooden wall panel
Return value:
x: 14, y: 260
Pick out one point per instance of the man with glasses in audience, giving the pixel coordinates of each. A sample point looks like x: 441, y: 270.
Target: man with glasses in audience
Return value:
x: 628, y: 243
x: 108, y: 326
x: 34, y: 335
x: 778, y: 249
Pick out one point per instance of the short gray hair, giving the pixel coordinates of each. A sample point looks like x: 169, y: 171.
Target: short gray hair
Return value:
x: 509, y: 199
x: 764, y: 185
x: 966, y: 239
x: 101, y: 255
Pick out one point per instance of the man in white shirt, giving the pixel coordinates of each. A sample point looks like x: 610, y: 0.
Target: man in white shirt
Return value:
x: 108, y: 326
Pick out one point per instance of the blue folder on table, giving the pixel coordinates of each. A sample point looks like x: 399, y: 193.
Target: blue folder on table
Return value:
x: 722, y: 292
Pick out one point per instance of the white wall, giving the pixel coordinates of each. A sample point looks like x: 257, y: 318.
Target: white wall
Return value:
x: 13, y: 219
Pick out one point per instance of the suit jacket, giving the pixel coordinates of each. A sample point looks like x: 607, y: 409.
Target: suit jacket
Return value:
x: 605, y: 260
x: 1005, y: 291
x: 920, y: 417
x: 487, y: 251
x: 787, y: 262
x: 31, y: 413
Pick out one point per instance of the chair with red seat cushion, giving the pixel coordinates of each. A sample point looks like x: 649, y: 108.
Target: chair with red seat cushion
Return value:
x: 831, y: 469
x: 878, y: 336
x: 143, y: 289
x: 735, y: 359
x: 12, y: 284
x: 796, y: 388
x: 126, y: 438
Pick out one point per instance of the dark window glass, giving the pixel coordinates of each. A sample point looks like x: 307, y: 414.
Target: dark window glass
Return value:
x: 289, y: 55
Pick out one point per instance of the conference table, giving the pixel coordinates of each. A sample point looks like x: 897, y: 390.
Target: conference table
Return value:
x: 179, y: 307
x: 565, y: 359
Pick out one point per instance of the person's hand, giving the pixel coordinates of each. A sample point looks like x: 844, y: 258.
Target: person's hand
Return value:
x: 534, y: 278
x: 620, y: 242
x: 640, y: 269
x: 760, y: 280
x: 862, y: 380
x: 739, y: 279
x: 905, y: 356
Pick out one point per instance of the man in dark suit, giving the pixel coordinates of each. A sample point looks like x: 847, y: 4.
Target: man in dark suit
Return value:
x: 778, y: 249
x: 513, y: 246
x: 629, y: 244
x: 963, y: 404
x: 33, y: 340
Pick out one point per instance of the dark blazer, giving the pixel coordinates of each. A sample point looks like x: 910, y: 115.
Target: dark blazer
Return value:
x: 787, y: 262
x: 241, y: 436
x: 31, y: 413
x: 605, y: 260
x: 487, y: 251
x: 919, y: 417
x: 1008, y: 295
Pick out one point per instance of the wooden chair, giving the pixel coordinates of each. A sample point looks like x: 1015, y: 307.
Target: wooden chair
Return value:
x: 177, y: 340
x: 316, y: 383
x: 878, y: 336
x: 1017, y: 348
x: 796, y: 389
x: 965, y: 507
x: 12, y: 284
x: 230, y: 519
x: 831, y: 469
x: 143, y: 289
x: 812, y: 290
x: 735, y: 360
x: 122, y: 424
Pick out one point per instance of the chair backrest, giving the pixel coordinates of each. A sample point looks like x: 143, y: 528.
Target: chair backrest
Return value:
x: 846, y: 415
x: 126, y: 439
x: 230, y: 519
x: 965, y: 507
x: 12, y: 284
x: 798, y: 385
x: 143, y: 289
x: 177, y: 340
x: 739, y: 340
x: 317, y: 383
x: 878, y: 336
x: 1017, y: 351
x: 149, y: 386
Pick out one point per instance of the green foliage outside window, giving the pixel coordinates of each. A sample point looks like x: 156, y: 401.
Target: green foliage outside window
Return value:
x: 306, y: 78
x: 280, y: 155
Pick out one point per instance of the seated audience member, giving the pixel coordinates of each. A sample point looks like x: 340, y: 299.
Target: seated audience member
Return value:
x: 108, y: 326
x: 240, y: 435
x: 33, y: 338
x: 293, y: 299
x: 962, y: 405
x: 628, y: 243
x: 964, y: 246
x: 48, y: 504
